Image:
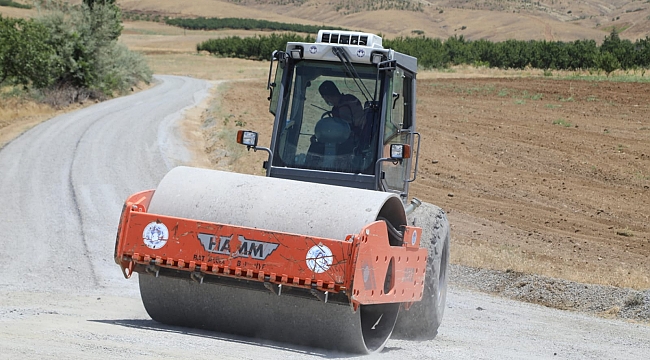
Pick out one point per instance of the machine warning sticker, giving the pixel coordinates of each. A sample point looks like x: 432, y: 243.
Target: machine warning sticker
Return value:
x: 319, y: 258
x: 361, y: 53
x: 414, y: 238
x: 155, y: 235
x: 313, y: 49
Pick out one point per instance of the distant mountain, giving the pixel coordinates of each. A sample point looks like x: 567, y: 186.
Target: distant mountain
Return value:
x: 494, y: 20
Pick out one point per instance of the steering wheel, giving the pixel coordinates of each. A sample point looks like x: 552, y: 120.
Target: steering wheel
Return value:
x: 327, y: 113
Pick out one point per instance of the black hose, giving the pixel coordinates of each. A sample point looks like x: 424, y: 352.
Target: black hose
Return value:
x: 395, y: 237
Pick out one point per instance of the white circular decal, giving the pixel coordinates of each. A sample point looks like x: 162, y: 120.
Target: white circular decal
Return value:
x: 155, y: 235
x: 361, y: 53
x: 319, y: 258
x: 313, y: 49
x: 414, y: 238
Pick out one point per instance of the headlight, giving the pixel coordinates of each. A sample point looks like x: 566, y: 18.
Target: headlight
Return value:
x: 248, y: 138
x: 400, y: 151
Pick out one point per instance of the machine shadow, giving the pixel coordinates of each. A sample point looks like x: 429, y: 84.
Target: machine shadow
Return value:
x: 148, y: 324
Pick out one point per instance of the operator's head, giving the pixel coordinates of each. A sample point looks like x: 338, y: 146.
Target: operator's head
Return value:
x: 329, y: 92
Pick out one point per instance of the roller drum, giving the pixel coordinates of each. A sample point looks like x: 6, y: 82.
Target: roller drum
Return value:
x: 278, y: 205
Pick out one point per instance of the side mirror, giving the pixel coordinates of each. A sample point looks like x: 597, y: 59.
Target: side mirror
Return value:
x: 400, y: 151
x: 248, y: 138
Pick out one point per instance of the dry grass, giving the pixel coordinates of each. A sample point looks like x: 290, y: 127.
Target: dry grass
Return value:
x: 17, y: 13
x: 207, y: 67
x: 229, y: 112
x: 18, y: 115
x: 171, y: 50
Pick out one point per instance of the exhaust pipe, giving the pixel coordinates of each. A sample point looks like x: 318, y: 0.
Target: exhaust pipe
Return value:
x: 415, y: 202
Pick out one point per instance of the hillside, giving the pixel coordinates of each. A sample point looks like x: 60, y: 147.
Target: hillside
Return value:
x: 475, y: 19
x: 495, y: 20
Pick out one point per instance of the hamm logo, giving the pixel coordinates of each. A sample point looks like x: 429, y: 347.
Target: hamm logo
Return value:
x: 257, y: 250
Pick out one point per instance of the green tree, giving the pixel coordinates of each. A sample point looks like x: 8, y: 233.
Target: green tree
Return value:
x: 623, y: 50
x: 25, y: 57
x: 457, y: 50
x: 583, y: 54
x: 550, y: 55
x: 430, y: 52
x: 512, y: 54
x: 608, y: 62
x: 642, y: 52
x: 105, y: 18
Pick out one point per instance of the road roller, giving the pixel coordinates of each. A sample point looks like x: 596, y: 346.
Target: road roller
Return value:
x: 324, y: 251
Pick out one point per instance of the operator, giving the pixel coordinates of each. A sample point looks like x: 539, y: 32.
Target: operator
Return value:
x: 347, y: 108
x: 344, y: 106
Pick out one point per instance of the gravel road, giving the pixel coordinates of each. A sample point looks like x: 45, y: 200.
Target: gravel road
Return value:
x: 62, y: 185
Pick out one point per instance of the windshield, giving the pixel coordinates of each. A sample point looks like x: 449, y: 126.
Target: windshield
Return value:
x: 330, y: 124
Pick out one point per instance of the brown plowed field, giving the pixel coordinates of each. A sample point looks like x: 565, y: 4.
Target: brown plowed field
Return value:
x: 545, y: 176
x: 538, y: 175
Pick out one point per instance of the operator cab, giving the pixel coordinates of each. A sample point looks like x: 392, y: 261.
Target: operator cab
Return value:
x: 344, y: 113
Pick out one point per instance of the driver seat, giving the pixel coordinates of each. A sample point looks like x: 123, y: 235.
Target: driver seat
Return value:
x: 330, y: 143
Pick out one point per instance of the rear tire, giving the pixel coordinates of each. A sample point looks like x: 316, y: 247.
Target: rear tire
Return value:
x: 422, y: 320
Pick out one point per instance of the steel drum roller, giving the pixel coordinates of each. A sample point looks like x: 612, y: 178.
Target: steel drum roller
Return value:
x: 278, y: 205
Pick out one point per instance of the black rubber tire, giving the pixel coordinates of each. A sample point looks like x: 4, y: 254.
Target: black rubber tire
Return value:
x: 422, y: 320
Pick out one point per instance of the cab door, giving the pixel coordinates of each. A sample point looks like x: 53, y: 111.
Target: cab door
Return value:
x: 398, y: 128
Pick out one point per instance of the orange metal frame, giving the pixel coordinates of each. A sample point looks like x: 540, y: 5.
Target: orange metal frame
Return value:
x: 358, y: 265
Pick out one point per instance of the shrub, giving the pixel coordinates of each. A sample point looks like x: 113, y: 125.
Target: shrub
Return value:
x: 87, y: 53
x: 25, y: 55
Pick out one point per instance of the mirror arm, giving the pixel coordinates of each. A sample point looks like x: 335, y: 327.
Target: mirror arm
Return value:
x: 417, y: 157
x: 262, y: 148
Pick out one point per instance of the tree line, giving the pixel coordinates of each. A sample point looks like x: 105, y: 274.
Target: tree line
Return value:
x: 72, y: 49
x: 257, y: 47
x: 202, y: 23
x: 614, y: 53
